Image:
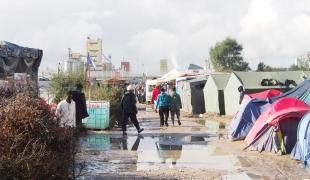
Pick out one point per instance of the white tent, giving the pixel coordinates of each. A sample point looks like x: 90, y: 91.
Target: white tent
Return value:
x: 170, y: 76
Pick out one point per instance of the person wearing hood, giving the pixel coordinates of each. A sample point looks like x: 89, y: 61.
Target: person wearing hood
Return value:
x: 129, y: 110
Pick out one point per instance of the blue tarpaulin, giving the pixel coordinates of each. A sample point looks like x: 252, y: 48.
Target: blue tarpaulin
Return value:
x: 301, y: 150
x: 246, y: 117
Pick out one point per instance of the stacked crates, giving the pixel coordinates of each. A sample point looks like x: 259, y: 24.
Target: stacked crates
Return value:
x: 99, y: 115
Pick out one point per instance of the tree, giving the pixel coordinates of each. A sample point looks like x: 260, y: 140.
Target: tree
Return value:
x: 226, y: 56
x: 62, y: 82
x: 263, y: 67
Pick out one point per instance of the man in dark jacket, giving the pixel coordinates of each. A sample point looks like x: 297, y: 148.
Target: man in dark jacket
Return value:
x: 175, y: 106
x: 80, y: 104
x: 130, y: 110
x: 242, y: 92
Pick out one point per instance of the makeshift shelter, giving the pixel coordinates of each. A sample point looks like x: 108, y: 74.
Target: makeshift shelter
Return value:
x: 191, y: 92
x: 275, y: 130
x: 301, y: 150
x: 214, y: 93
x: 16, y: 59
x: 265, y: 94
x: 301, y: 92
x: 170, y: 76
x: 254, y: 82
x: 245, y: 118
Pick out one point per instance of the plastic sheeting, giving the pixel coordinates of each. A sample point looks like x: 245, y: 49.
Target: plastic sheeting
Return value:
x: 301, y: 92
x: 283, y: 109
x: 301, y: 150
x: 17, y: 59
x: 246, y: 117
x: 265, y: 94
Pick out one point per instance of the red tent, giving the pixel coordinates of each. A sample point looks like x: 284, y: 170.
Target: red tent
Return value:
x: 265, y: 94
x: 274, y: 120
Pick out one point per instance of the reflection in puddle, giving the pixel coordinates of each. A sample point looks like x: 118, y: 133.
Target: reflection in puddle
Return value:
x: 140, y: 153
x: 213, y: 126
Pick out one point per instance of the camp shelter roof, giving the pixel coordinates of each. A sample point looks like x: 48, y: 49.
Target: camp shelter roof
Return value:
x: 194, y: 67
x: 252, y: 80
x: 18, y: 59
x: 280, y: 110
x: 265, y: 94
x: 220, y: 80
x: 170, y: 76
x: 197, y: 80
x: 302, y: 91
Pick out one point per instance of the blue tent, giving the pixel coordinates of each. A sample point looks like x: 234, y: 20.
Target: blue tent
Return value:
x: 301, y: 150
x: 246, y: 117
x: 301, y: 92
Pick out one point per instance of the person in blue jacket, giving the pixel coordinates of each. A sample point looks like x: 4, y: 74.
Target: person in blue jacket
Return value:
x: 163, y: 103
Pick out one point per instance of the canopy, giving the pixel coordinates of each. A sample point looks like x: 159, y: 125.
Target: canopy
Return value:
x: 170, y: 76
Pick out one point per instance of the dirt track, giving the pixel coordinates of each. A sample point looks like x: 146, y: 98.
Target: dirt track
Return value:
x: 195, y: 150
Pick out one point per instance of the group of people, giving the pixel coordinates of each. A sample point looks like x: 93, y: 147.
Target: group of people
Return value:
x: 163, y: 102
x: 72, y: 109
x: 167, y: 104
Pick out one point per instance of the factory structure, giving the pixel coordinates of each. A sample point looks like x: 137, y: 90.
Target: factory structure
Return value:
x: 101, y: 69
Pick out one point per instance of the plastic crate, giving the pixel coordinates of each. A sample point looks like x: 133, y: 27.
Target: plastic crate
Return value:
x: 99, y: 115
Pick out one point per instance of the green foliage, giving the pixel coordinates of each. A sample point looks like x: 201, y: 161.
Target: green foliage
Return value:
x: 226, y: 56
x: 114, y: 95
x: 263, y: 67
x: 294, y: 67
x: 62, y: 82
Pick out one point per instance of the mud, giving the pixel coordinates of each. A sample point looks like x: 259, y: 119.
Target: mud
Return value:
x: 198, y: 149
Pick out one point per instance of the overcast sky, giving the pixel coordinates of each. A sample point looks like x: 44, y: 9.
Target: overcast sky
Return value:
x: 144, y: 31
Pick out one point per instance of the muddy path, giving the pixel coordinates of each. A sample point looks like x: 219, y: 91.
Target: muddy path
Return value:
x: 197, y: 149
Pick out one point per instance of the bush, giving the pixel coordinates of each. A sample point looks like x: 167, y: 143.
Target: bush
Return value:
x: 114, y: 95
x: 62, y: 82
x: 32, y: 145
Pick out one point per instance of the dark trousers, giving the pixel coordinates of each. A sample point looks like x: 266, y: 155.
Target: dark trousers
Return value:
x: 78, y: 122
x: 163, y: 114
x: 173, y: 113
x: 133, y: 119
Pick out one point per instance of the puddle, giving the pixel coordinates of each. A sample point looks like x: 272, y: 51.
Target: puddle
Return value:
x: 243, y: 176
x: 112, y: 153
x: 213, y: 126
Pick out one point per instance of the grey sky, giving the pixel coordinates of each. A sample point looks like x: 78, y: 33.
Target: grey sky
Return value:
x: 144, y: 31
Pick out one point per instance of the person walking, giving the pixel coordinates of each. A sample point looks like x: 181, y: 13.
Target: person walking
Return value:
x: 175, y: 106
x: 129, y: 110
x: 65, y: 111
x: 163, y: 102
x: 155, y: 94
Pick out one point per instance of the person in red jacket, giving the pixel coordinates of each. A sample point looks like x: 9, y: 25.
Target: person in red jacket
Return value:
x: 155, y: 94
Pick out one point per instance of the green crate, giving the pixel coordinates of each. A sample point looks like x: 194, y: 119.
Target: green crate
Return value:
x: 99, y: 115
